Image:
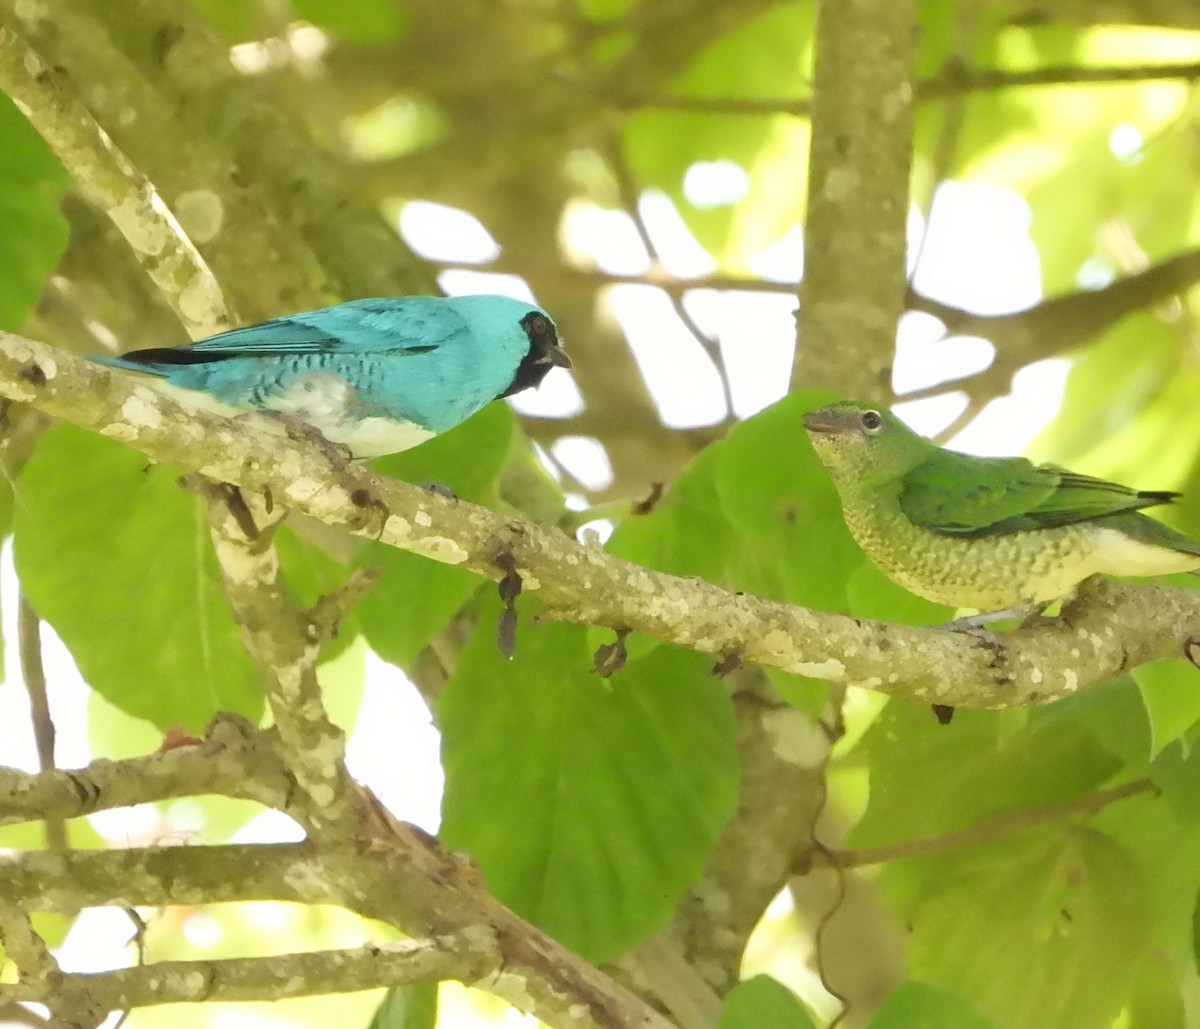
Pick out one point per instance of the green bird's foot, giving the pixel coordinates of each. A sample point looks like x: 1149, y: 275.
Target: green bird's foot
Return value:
x: 969, y: 622
x: 984, y: 637
x: 977, y: 630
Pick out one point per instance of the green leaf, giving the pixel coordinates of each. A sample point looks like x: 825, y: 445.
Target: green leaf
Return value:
x: 871, y: 594
x: 413, y: 1006
x: 1172, y: 701
x: 590, y: 804
x: 928, y: 779
x: 117, y: 558
x: 417, y: 597
x: 784, y: 510
x: 1155, y: 999
x: 1042, y: 929
x: 1116, y: 718
x: 364, y: 21
x: 687, y: 532
x: 763, y: 1001
x: 32, y: 184
x: 921, y: 1006
x: 310, y: 572
x: 1176, y: 771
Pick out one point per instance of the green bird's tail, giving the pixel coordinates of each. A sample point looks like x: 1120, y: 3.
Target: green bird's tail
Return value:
x: 1151, y: 532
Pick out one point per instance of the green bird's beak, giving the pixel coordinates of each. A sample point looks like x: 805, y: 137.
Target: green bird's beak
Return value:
x: 823, y: 421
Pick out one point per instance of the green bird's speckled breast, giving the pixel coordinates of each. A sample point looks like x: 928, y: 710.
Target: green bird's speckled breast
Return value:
x: 988, y: 573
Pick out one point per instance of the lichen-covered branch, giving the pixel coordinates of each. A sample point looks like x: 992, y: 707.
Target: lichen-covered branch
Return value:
x: 405, y: 879
x: 456, y: 956
x: 182, y: 55
x: 234, y: 760
x: 112, y: 184
x: 281, y: 642
x: 1109, y: 629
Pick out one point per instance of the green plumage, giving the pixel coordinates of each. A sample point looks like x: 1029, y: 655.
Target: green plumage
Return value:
x: 985, y: 533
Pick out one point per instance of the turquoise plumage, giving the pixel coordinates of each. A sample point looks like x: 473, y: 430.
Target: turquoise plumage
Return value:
x: 376, y: 376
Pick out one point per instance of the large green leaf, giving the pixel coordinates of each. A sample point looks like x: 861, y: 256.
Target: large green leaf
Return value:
x: 687, y: 533
x: 412, y: 1006
x: 117, y: 558
x: 364, y: 21
x: 784, y: 510
x: 921, y: 1006
x: 590, y: 804
x: 1169, y: 691
x: 763, y: 1001
x: 928, y: 779
x: 32, y: 183
x: 1110, y: 384
x: 416, y: 597
x: 1042, y: 929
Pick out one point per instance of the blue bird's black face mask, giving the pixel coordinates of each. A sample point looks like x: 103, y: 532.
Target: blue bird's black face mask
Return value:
x: 545, y: 352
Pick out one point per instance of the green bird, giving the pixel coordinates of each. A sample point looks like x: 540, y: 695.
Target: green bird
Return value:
x: 984, y: 532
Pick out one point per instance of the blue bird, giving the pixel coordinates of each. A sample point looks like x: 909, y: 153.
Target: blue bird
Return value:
x: 375, y: 376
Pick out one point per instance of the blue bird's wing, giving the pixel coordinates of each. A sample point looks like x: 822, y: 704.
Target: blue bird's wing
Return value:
x: 430, y: 362
x: 407, y: 325
x: 972, y: 497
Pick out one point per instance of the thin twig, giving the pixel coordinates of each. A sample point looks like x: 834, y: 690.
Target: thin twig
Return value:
x: 975, y: 405
x: 33, y: 672
x: 656, y: 275
x: 987, y: 831
x: 952, y: 82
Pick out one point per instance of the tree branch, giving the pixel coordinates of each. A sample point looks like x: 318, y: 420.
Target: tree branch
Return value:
x: 987, y: 831
x: 112, y: 184
x: 405, y: 879
x: 33, y: 674
x: 954, y: 81
x: 283, y: 646
x: 233, y: 760
x: 856, y: 225
x: 454, y: 956
x: 1057, y: 324
x: 1107, y: 630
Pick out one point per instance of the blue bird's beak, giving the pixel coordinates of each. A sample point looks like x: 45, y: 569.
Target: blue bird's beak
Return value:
x: 556, y: 356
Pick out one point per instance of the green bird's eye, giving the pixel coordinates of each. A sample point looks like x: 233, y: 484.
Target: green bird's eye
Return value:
x: 872, y: 421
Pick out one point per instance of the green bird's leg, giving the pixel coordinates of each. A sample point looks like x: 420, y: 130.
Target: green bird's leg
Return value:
x: 1026, y: 612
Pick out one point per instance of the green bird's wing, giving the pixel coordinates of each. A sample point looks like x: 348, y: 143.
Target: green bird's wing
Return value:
x: 959, y: 495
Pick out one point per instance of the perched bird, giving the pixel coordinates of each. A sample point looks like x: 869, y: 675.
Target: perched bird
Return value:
x: 375, y: 376
x: 983, y: 532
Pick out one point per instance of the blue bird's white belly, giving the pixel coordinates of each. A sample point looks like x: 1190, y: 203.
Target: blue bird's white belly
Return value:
x: 328, y: 403
x: 324, y: 401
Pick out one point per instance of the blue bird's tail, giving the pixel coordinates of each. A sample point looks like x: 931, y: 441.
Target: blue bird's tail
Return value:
x: 145, y: 367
